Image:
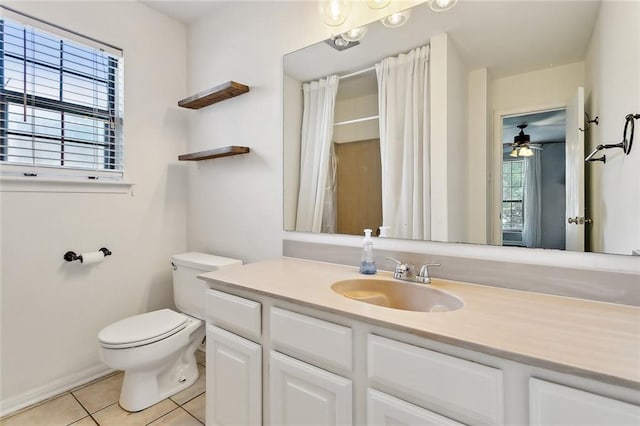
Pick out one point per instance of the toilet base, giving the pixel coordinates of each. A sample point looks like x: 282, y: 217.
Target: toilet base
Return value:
x: 142, y: 389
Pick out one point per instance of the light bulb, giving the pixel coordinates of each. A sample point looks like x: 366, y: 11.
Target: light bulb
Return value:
x: 441, y: 5
x: 335, y: 12
x: 525, y: 151
x: 378, y: 4
x: 340, y: 42
x: 397, y: 19
x: 355, y: 34
x: 514, y: 152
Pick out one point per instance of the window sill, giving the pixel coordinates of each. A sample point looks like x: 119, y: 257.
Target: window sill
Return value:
x: 34, y: 184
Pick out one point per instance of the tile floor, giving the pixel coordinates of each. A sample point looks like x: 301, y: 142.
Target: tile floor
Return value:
x: 97, y: 404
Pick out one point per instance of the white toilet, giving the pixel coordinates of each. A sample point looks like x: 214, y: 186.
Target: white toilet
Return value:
x: 156, y: 350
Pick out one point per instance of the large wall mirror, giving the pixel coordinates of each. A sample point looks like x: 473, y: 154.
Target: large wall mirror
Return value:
x: 470, y: 125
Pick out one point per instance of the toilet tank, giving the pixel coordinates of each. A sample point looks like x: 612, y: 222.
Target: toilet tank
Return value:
x: 188, y: 290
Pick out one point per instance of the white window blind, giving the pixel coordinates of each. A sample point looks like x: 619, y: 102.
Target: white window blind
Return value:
x: 61, y: 111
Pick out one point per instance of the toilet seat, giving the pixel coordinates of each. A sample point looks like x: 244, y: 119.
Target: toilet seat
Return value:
x: 142, y: 329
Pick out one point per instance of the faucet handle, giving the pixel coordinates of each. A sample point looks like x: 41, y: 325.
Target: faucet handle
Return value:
x: 424, y: 277
x: 402, y: 270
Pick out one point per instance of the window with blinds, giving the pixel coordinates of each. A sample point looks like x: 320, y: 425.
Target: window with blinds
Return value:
x: 61, y: 104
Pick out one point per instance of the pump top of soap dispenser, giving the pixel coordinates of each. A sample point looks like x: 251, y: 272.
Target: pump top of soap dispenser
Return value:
x: 367, y: 265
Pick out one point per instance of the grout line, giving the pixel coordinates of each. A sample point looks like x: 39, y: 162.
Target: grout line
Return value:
x: 83, y: 407
x: 189, y: 413
x: 165, y: 414
x: 191, y: 399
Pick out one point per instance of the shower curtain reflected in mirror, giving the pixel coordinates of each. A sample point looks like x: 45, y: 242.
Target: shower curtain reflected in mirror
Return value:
x: 404, y: 144
x: 315, y: 197
x: 532, y: 224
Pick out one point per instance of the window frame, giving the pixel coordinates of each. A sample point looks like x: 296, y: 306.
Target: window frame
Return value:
x: 112, y: 168
x: 512, y: 201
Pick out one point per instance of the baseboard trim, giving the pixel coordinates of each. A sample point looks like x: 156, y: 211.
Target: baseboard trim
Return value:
x: 64, y: 384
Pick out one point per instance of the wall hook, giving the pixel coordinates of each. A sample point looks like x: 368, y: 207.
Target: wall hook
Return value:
x: 588, y: 122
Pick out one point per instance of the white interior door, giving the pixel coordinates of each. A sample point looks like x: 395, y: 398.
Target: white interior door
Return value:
x: 575, y: 173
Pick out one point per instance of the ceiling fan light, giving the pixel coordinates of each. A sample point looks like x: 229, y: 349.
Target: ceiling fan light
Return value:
x: 335, y: 12
x: 378, y: 4
x: 355, y: 34
x: 441, y: 5
x: 525, y: 151
x: 396, y: 20
x: 514, y: 152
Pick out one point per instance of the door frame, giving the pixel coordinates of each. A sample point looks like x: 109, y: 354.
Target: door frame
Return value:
x: 495, y: 220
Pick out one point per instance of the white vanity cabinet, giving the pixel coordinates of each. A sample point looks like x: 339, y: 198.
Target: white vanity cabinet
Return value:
x: 552, y: 404
x: 234, y: 363
x: 276, y: 362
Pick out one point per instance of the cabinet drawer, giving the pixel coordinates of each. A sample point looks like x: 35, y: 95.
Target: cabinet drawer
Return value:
x: 456, y: 388
x: 233, y: 313
x: 317, y: 341
x: 553, y: 404
x: 383, y: 409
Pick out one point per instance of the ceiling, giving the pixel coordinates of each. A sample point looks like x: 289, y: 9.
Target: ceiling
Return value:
x: 186, y: 11
x: 543, y: 127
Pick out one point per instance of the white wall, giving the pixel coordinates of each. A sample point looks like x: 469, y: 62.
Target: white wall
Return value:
x: 535, y: 89
x: 448, y: 85
x: 235, y: 203
x: 478, y: 158
x: 292, y: 126
x: 612, y: 91
x: 52, y: 310
x: 457, y: 125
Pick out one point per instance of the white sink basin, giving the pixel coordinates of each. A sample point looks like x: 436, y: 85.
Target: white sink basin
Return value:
x: 398, y: 295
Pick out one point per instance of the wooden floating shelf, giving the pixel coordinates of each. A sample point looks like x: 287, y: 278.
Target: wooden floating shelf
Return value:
x: 214, y: 153
x: 227, y: 90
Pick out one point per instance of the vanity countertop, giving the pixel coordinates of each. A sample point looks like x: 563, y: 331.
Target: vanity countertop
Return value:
x: 591, y: 339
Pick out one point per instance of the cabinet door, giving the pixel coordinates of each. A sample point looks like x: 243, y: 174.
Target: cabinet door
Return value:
x: 552, y: 404
x: 301, y: 394
x: 234, y: 379
x: 383, y: 409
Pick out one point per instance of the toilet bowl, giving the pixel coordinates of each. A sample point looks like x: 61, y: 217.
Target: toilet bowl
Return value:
x: 156, y: 349
x: 157, y: 363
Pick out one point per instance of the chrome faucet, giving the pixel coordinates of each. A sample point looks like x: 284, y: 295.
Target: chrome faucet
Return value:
x: 405, y: 272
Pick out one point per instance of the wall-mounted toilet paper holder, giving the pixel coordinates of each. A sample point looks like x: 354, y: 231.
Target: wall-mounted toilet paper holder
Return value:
x: 70, y: 256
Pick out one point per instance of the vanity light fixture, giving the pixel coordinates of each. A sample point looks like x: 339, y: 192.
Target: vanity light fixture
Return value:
x: 397, y: 19
x: 355, y: 34
x: 340, y: 44
x: 335, y: 12
x: 441, y: 5
x: 378, y: 4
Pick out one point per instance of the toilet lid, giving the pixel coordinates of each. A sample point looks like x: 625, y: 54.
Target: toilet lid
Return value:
x: 142, y: 329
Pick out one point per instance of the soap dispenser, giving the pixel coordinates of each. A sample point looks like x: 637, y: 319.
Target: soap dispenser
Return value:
x: 367, y: 265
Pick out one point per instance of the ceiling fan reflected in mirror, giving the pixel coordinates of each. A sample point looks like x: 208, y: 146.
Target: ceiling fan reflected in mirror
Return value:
x: 521, y: 146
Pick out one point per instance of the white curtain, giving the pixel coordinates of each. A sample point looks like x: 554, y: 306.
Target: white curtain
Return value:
x: 532, y: 226
x: 404, y: 144
x: 315, y: 157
